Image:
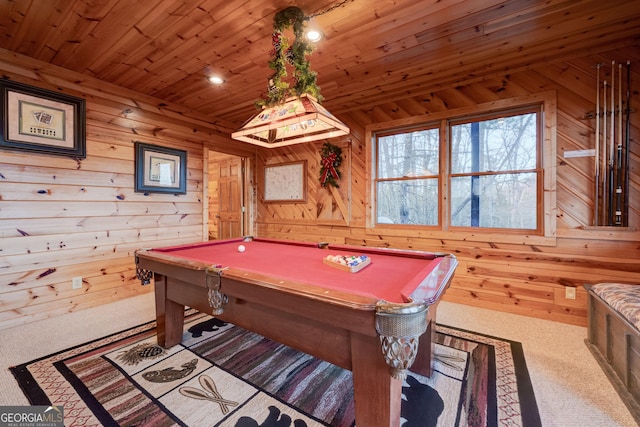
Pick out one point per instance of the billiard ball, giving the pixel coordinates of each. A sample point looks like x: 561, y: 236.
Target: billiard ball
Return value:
x: 241, y: 248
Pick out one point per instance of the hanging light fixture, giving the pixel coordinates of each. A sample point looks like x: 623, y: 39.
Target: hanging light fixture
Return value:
x: 290, y: 115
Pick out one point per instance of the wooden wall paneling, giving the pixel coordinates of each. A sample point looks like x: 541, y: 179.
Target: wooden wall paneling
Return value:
x: 62, y: 217
x: 514, y: 290
x: 389, y: 111
x: 505, y: 86
x: 49, y: 174
x: 298, y: 231
x: 576, y: 82
x: 623, y: 253
x: 546, y: 272
x: 575, y: 134
x: 434, y: 103
x: 333, y: 203
x: 357, y: 195
x: 57, y: 254
x: 411, y: 107
x: 71, y: 225
x: 323, y: 205
x: 118, y: 274
x: 203, y: 193
x: 574, y: 212
x: 148, y: 124
x: 477, y: 90
x: 568, y: 253
x: 454, y: 98
x: 71, y: 304
x: 576, y: 175
x: 27, y: 209
x: 527, y: 308
x: 577, y: 172
x: 51, y: 242
x: 65, y: 192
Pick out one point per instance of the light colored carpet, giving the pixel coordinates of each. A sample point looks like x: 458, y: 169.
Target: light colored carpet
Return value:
x: 570, y: 387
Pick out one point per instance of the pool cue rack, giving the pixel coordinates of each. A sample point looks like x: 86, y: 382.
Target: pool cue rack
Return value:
x: 611, y: 159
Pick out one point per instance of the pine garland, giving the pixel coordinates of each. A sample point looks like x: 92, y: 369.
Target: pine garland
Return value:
x: 294, y: 55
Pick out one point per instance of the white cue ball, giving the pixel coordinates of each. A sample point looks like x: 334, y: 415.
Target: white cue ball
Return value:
x: 241, y: 248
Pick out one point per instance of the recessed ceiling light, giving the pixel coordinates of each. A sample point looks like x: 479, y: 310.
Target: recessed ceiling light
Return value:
x: 216, y: 80
x: 314, y: 35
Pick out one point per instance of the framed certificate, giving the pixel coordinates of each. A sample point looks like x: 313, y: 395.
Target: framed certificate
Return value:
x: 285, y: 182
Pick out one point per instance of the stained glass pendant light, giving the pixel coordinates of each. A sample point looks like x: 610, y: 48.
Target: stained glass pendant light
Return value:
x: 290, y: 115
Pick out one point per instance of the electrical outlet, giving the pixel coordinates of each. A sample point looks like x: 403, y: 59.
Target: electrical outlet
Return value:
x: 570, y: 292
x: 76, y: 282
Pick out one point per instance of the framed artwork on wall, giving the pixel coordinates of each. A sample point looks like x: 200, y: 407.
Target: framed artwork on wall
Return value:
x: 285, y: 182
x: 160, y: 169
x: 41, y: 121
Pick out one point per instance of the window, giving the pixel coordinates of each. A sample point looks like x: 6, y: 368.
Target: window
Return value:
x: 408, y: 177
x: 479, y: 172
x: 495, y: 172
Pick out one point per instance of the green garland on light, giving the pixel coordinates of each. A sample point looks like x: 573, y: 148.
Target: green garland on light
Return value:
x: 295, y: 54
x: 329, y: 165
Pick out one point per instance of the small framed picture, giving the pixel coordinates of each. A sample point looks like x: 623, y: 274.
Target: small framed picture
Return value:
x: 41, y: 121
x: 160, y: 169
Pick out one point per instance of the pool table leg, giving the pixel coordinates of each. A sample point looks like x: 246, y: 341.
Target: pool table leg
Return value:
x: 423, y: 365
x: 377, y: 394
x: 169, y: 315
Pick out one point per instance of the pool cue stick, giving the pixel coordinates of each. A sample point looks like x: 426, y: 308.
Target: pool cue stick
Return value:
x: 618, y: 220
x: 625, y: 221
x: 612, y: 128
x: 597, y: 155
x: 604, y: 154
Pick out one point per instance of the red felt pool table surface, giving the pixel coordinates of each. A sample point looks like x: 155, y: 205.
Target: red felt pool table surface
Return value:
x: 392, y: 276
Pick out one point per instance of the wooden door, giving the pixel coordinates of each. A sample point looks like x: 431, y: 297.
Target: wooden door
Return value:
x: 230, y: 203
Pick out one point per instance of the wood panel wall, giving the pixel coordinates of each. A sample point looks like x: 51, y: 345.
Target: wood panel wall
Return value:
x: 61, y: 218
x: 521, y: 278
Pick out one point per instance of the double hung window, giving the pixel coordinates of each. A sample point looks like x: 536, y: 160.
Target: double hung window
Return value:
x: 473, y: 172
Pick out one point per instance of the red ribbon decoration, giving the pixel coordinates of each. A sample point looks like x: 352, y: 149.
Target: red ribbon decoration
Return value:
x: 329, y: 169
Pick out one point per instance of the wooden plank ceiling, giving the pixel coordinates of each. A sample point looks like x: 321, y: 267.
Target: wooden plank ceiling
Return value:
x: 373, y: 51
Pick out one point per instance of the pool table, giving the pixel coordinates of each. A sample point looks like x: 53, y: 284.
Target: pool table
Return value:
x: 369, y: 321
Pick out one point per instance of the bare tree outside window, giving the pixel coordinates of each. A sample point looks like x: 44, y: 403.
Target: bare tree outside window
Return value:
x: 408, y: 181
x: 494, y: 175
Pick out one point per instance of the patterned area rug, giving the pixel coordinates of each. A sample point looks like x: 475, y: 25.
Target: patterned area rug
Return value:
x: 222, y: 375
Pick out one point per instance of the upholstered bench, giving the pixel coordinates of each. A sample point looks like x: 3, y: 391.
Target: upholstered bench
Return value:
x: 614, y: 337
